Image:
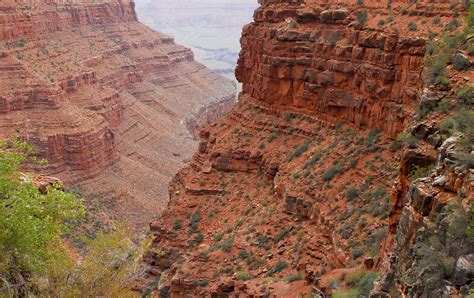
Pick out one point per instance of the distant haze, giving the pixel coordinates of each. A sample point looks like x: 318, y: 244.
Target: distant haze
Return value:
x: 211, y: 28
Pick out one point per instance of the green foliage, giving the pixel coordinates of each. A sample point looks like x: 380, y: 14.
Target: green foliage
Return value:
x: 295, y: 277
x: 351, y: 194
x: 314, y: 159
x: 419, y: 172
x: 436, y: 69
x: 107, y: 269
x: 412, y: 26
x: 279, y: 266
x: 31, y: 222
x: 465, y: 94
x: 407, y: 139
x: 362, y: 17
x: 242, y: 275
x: 330, y: 173
x: 460, y: 62
x: 299, y: 151
x: 177, y: 225
x: 227, y: 244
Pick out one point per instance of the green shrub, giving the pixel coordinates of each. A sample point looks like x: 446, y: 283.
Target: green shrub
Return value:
x: 201, y: 283
x: 295, y: 277
x: 362, y: 17
x: 357, y: 252
x: 419, y: 172
x: 241, y: 275
x: 381, y: 22
x: 329, y: 174
x: 178, y: 224
x: 351, y: 194
x: 461, y: 63
x: 299, y: 151
x: 436, y: 20
x: 408, y: 139
x: 280, y: 266
x: 218, y: 237
x: 412, y: 26
x: 314, y: 159
x: 227, y: 245
x: 465, y: 94
x: 436, y: 69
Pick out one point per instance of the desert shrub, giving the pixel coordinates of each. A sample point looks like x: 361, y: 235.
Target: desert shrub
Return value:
x: 357, y: 252
x: 330, y: 173
x: 407, y: 139
x: 295, y: 277
x: 299, y: 151
x: 178, y: 224
x: 282, y: 234
x: 314, y: 159
x: 242, y: 275
x: 436, y: 70
x: 243, y: 255
x: 351, y: 194
x: 373, y: 241
x: 460, y: 62
x: 201, y: 282
x: 465, y: 94
x: 227, y: 244
x: 279, y: 266
x: 194, y: 221
x: 390, y: 18
x: 419, y: 172
x: 412, y: 26
x: 362, y: 17
x: 373, y: 137
x: 272, y: 137
x: 381, y: 22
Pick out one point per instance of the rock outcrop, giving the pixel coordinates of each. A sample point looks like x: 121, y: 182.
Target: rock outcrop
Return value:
x: 103, y: 98
x: 294, y: 191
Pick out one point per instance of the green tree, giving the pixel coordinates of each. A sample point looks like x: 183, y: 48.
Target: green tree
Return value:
x: 31, y: 221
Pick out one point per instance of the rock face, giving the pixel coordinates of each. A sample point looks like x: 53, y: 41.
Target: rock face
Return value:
x: 103, y: 98
x: 319, y: 62
x: 298, y: 186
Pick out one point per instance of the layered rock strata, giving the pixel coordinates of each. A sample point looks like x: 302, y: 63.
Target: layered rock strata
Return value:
x: 292, y: 193
x: 103, y: 98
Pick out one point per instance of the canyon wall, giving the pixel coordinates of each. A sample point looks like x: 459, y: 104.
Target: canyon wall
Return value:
x: 105, y: 99
x: 302, y: 189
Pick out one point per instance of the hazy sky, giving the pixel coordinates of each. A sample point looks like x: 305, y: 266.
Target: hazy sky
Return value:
x: 211, y: 28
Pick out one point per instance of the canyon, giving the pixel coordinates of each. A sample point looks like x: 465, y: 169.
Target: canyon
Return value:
x: 335, y: 174
x: 210, y: 28
x: 108, y: 102
x: 345, y: 168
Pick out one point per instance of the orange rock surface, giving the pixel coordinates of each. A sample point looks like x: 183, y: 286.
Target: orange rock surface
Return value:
x: 294, y: 187
x: 103, y: 98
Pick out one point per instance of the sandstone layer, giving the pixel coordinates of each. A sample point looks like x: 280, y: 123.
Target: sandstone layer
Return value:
x: 103, y: 98
x: 302, y: 188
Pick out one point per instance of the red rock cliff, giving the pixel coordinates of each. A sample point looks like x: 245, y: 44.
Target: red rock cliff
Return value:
x: 102, y: 97
x: 290, y: 194
x: 316, y: 58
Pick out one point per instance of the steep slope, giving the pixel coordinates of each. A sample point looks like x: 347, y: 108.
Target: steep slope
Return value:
x: 292, y: 193
x: 103, y: 98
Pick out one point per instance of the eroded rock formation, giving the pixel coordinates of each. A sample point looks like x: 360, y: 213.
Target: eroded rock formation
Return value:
x: 296, y: 189
x: 103, y: 98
